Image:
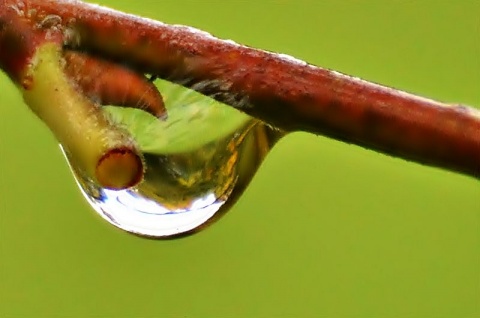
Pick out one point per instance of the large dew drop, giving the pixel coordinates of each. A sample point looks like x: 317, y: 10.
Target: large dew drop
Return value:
x: 198, y: 162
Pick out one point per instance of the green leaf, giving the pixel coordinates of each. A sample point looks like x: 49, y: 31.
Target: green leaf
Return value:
x: 193, y: 120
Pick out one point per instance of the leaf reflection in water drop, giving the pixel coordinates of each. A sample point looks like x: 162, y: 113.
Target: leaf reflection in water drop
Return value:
x: 198, y: 162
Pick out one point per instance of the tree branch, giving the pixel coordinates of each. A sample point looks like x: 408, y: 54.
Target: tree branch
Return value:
x: 275, y: 88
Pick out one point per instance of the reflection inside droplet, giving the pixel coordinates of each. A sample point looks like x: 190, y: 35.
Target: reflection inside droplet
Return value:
x: 198, y: 162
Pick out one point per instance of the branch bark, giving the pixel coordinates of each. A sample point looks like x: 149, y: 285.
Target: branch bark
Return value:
x: 275, y: 88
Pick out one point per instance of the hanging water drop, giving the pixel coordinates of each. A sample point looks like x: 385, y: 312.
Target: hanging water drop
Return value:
x: 198, y: 162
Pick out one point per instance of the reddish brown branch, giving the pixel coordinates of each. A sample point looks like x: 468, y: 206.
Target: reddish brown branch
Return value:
x: 280, y: 90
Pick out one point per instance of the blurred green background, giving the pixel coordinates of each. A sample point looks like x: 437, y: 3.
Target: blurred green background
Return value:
x: 325, y: 229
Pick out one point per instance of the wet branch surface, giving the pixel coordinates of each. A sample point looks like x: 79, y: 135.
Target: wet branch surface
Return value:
x: 275, y: 88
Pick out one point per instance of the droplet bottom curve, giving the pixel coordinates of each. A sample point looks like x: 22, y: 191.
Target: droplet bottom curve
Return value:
x: 184, y: 192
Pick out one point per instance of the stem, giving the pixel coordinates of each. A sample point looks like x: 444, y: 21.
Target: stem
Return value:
x: 278, y: 89
x: 113, y: 84
x: 103, y: 151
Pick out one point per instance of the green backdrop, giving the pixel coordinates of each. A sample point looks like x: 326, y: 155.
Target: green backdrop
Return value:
x: 325, y: 229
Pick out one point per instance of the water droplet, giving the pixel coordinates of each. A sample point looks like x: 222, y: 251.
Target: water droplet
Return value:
x: 198, y: 162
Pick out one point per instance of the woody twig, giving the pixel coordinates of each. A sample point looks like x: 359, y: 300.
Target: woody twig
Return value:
x: 275, y: 88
